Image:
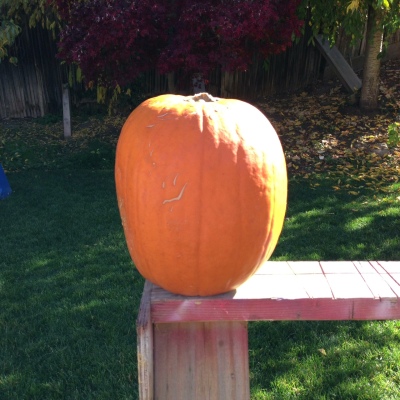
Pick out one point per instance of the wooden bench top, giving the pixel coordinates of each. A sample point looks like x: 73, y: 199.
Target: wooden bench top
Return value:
x: 293, y: 290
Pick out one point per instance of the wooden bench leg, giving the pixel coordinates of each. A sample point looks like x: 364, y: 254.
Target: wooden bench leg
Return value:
x: 144, y: 329
x: 191, y: 360
x: 201, y: 361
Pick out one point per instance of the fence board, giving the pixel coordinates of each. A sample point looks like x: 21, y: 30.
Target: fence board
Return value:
x: 31, y: 88
x: 34, y: 87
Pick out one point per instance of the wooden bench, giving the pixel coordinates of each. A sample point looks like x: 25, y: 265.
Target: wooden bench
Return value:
x: 196, y: 347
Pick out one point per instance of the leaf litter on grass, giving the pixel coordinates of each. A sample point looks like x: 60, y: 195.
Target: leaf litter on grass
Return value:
x: 38, y: 143
x: 323, y: 133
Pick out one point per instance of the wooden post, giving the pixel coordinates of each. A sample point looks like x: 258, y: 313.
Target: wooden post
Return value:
x: 191, y: 360
x: 66, y: 111
x: 201, y: 361
x: 144, y: 329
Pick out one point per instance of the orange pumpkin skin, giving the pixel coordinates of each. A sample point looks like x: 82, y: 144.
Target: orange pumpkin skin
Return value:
x: 202, y: 187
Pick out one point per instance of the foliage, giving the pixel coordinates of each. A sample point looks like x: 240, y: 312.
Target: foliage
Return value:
x: 34, y: 11
x: 113, y: 41
x: 8, y: 32
x: 15, y: 14
x: 328, y: 17
x: 381, y: 15
x: 394, y: 134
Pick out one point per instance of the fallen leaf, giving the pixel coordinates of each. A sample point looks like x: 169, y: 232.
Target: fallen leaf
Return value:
x: 322, y: 351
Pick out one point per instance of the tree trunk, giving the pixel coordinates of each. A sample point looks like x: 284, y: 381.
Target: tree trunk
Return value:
x: 370, y: 81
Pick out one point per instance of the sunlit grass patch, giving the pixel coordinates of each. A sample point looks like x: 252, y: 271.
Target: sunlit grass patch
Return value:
x: 323, y: 360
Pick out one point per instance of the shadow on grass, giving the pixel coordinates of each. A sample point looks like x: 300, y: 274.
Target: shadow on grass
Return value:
x: 325, y: 360
x: 69, y: 294
x: 330, y: 360
x: 326, y: 225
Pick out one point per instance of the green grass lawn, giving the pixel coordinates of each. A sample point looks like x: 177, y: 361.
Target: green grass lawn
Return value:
x: 69, y: 294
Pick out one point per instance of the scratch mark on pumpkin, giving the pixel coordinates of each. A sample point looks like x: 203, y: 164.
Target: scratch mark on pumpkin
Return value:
x: 163, y: 185
x: 176, y: 198
x: 163, y: 115
x: 201, y: 121
x: 150, y: 126
x: 175, y: 179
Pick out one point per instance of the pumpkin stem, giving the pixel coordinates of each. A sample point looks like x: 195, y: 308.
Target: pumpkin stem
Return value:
x: 203, y: 97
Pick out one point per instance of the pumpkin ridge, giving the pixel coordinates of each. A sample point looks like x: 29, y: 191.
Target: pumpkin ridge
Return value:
x: 268, y: 246
x: 213, y: 128
x: 275, y: 207
x: 200, y: 221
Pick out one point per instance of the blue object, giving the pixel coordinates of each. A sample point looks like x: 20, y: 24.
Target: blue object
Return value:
x: 5, y: 189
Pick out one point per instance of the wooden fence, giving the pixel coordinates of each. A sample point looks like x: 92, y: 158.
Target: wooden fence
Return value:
x: 354, y: 53
x: 33, y: 88
x: 296, y: 68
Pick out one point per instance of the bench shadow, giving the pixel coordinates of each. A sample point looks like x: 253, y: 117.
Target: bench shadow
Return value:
x: 330, y: 359
x: 324, y: 359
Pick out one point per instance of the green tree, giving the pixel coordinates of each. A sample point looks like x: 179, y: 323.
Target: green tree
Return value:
x: 8, y: 32
x: 380, y: 16
x: 16, y: 14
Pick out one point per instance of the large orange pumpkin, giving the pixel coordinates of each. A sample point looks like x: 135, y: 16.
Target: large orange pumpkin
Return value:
x: 202, y: 186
